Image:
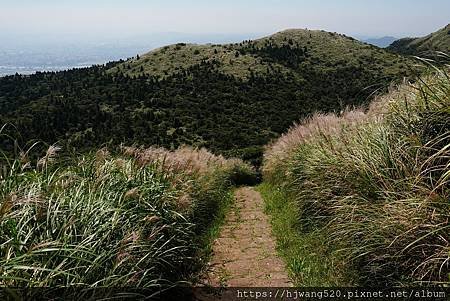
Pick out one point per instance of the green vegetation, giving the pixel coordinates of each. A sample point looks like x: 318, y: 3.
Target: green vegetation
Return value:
x: 356, y: 196
x: 232, y: 99
x: 376, y: 183
x: 140, y: 218
x: 437, y: 41
x: 286, y: 51
x: 310, y: 261
x: 173, y: 59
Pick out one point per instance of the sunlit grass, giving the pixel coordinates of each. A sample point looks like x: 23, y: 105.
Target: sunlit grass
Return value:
x: 310, y: 260
x: 138, y: 219
x: 380, y: 185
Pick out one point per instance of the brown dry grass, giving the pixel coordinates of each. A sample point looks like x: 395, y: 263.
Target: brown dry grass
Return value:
x: 186, y: 159
x: 377, y: 181
x: 278, y: 153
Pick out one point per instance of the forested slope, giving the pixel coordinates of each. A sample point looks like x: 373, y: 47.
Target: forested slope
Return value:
x: 436, y: 41
x: 231, y: 98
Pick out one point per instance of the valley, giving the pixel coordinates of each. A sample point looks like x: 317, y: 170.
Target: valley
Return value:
x: 232, y: 99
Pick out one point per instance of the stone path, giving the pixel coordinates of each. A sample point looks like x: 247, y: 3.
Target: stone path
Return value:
x: 244, y: 254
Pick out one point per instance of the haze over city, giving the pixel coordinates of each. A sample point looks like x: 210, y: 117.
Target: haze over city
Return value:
x: 128, y: 18
x: 55, y: 35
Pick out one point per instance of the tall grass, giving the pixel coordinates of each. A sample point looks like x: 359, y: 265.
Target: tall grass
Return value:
x: 309, y: 260
x: 130, y: 220
x: 378, y: 184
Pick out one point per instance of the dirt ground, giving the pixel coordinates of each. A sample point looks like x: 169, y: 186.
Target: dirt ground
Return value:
x: 244, y: 254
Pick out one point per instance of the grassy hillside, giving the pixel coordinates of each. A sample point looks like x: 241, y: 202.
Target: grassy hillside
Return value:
x: 232, y: 99
x: 370, y: 190
x: 436, y: 41
x: 291, y: 50
x: 173, y: 59
x: 141, y: 218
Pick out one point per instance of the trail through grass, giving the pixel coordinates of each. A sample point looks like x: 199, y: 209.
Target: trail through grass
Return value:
x: 244, y: 252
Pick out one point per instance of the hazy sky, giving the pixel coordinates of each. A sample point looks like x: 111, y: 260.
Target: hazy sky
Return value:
x: 134, y: 17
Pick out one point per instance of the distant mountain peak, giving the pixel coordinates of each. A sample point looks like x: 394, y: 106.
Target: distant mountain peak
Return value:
x: 436, y: 41
x: 246, y: 58
x: 381, y: 42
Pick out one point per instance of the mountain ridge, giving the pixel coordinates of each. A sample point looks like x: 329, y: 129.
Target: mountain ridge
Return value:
x: 429, y: 44
x: 168, y: 59
x: 231, y: 98
x: 381, y: 42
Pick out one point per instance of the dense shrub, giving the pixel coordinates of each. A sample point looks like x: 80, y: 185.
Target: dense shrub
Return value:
x: 378, y: 182
x: 128, y: 220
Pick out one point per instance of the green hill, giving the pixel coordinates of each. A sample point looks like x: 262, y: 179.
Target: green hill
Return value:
x: 436, y: 41
x: 231, y: 98
x: 285, y: 51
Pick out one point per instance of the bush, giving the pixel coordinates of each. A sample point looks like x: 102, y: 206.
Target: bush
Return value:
x: 101, y: 223
x: 128, y: 220
x: 241, y: 174
x: 380, y: 186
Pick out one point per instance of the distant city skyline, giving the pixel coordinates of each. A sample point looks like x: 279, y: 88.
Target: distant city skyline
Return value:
x: 123, y: 19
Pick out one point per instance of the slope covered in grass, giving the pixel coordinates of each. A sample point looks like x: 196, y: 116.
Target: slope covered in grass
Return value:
x: 285, y: 51
x: 310, y: 262
x: 136, y: 219
x: 374, y: 185
x: 436, y: 41
x: 232, y: 99
x: 172, y: 59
